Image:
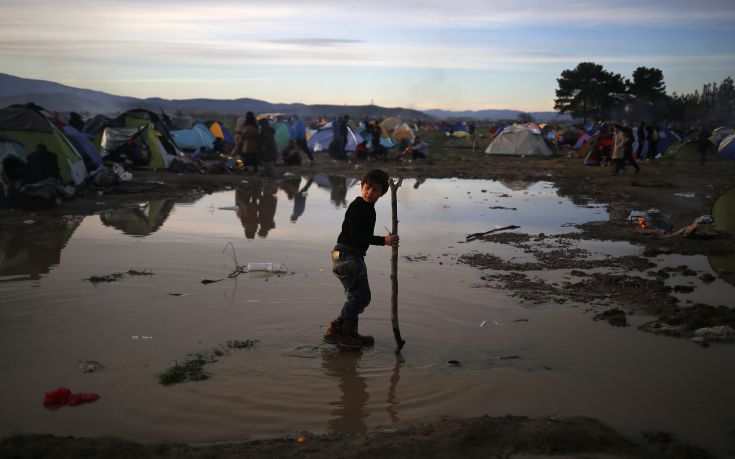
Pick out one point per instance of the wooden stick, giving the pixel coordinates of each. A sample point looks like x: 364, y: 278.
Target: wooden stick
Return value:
x: 394, y: 267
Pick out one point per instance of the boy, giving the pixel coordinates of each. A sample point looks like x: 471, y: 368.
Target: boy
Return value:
x: 348, y: 262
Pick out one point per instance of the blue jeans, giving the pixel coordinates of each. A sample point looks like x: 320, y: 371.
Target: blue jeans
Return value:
x: 350, y: 269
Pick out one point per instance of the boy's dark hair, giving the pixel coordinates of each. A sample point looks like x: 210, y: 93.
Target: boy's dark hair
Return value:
x: 376, y: 177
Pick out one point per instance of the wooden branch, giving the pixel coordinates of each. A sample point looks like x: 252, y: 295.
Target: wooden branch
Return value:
x: 472, y: 237
x: 394, y: 267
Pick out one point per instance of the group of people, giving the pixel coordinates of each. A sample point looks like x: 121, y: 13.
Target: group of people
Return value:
x: 255, y: 143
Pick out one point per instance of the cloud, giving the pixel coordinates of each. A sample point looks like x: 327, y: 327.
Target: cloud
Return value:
x: 313, y: 41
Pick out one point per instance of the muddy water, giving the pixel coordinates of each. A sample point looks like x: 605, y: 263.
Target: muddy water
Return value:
x: 514, y: 359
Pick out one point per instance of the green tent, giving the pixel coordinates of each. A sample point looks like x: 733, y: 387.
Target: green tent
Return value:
x: 723, y: 211
x: 283, y: 135
x: 28, y: 125
x: 156, y: 136
x: 686, y: 150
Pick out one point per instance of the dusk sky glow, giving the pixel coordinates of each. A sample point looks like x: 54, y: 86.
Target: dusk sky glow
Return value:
x: 418, y: 54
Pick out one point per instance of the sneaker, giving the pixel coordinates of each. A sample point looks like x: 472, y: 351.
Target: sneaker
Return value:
x: 333, y: 330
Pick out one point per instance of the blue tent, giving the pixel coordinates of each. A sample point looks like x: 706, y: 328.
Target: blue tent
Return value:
x: 92, y: 158
x: 197, y: 136
x: 727, y: 147
x: 219, y: 129
x: 666, y: 138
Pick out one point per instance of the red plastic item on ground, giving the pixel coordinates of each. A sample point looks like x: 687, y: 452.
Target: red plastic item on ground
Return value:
x: 59, y: 396
x: 82, y: 398
x: 63, y: 396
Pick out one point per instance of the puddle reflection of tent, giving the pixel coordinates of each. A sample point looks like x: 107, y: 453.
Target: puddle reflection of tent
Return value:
x: 139, y: 221
x: 517, y: 185
x: 33, y: 252
x: 337, y: 186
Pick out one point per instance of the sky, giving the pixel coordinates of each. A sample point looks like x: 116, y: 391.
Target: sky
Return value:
x: 423, y: 54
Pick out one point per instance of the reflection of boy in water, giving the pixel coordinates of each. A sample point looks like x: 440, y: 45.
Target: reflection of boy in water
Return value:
x: 349, y: 411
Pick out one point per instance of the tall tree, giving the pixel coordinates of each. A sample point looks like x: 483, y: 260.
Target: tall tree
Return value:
x: 648, y: 83
x: 589, y: 91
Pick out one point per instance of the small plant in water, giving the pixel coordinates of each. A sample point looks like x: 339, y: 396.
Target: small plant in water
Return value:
x: 114, y: 277
x: 191, y: 369
x: 239, y: 344
x: 94, y: 280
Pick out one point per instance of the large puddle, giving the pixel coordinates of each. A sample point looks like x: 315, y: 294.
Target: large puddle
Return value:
x: 514, y: 359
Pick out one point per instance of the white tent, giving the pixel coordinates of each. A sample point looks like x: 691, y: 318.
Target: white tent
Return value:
x: 320, y: 139
x: 518, y: 140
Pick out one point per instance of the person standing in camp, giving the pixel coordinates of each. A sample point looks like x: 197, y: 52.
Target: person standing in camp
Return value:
x: 471, y: 128
x: 641, y: 133
x: 348, y: 261
x: 618, y: 152
x: 652, y: 135
x: 268, y: 148
x: 343, y: 133
x: 299, y: 135
x: 628, y: 153
x: 703, y: 143
x: 247, y: 141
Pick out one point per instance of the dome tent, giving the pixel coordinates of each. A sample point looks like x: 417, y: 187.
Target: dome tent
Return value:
x: 30, y: 126
x: 518, y: 140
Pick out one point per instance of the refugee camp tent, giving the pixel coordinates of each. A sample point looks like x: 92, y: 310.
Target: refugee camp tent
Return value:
x: 724, y: 266
x: 12, y: 161
x: 194, y: 137
x: 403, y: 131
x: 686, y: 150
x: 460, y: 129
x: 182, y: 122
x: 154, y: 138
x: 92, y: 158
x: 727, y: 147
x: 28, y: 125
x: 320, y: 139
x: 518, y: 140
x: 581, y: 141
x: 719, y: 134
x: 723, y: 211
x: 282, y: 135
x: 666, y: 138
x: 390, y: 123
x: 220, y: 131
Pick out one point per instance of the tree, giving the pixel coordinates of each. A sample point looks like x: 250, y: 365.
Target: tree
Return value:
x: 648, y: 83
x: 647, y: 92
x: 589, y: 91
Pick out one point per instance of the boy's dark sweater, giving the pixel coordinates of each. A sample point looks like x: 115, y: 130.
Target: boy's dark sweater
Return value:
x: 358, y: 226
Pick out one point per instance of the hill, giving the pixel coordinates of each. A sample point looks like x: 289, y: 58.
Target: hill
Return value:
x: 61, y: 98
x: 541, y: 117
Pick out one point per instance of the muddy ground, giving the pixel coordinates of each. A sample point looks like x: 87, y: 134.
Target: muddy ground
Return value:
x: 610, y: 297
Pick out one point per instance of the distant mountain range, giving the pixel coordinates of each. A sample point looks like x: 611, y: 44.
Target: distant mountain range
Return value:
x: 63, y: 99
x: 540, y: 117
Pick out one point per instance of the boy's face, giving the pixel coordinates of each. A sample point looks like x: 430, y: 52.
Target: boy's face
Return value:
x: 371, y: 193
